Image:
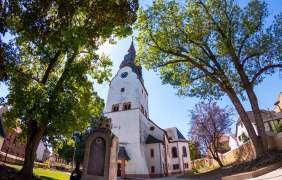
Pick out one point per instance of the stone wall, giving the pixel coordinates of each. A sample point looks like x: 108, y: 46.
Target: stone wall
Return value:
x: 274, y: 141
x: 245, y: 152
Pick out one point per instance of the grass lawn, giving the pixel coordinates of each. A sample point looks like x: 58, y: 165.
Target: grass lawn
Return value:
x: 46, y: 174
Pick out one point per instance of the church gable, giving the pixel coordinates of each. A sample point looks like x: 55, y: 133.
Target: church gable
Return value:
x: 174, y: 134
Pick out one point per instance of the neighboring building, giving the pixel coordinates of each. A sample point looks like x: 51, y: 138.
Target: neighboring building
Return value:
x: 146, y: 150
x: 56, y: 160
x: 42, y: 152
x: 278, y: 106
x: 2, y: 131
x: 10, y: 145
x: 223, y: 145
x: 270, y: 119
x: 233, y: 143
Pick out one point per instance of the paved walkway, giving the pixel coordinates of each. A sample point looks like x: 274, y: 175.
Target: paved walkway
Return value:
x: 170, y: 178
x: 165, y: 178
x: 273, y: 175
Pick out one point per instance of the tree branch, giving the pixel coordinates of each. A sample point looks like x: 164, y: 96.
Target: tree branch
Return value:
x: 212, y: 19
x: 248, y: 35
x: 261, y: 71
x: 50, y: 67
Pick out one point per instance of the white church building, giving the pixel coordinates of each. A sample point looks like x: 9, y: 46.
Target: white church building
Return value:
x: 146, y: 150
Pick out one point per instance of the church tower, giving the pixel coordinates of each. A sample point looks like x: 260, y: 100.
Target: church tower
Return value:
x: 127, y: 106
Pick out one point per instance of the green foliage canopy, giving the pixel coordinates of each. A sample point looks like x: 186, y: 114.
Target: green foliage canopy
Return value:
x: 199, y: 46
x: 211, y: 48
x: 79, y: 138
x: 56, y: 42
x: 194, y: 150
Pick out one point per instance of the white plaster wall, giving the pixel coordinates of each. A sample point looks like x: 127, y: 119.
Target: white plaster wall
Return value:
x: 179, y: 160
x: 167, y: 154
x: 173, y: 160
x: 240, y: 131
x: 155, y: 161
x: 126, y: 126
x: 157, y: 132
x: 40, y: 151
x: 130, y: 126
x: 232, y: 143
x: 133, y: 89
x: 188, y: 158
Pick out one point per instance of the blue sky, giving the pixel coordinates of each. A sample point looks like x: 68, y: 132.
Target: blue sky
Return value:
x: 165, y: 108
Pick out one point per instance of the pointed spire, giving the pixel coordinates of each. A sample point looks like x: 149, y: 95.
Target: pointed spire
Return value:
x: 129, y: 61
x: 131, y: 48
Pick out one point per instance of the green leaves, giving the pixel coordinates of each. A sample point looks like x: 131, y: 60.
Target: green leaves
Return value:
x: 203, y: 48
x: 56, y: 43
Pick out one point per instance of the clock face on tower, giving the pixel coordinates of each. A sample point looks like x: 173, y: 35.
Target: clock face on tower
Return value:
x: 124, y: 75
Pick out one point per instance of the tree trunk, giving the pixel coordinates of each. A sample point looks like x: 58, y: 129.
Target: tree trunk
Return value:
x: 259, y: 141
x: 263, y: 150
x: 217, y: 158
x: 34, y: 135
x: 215, y: 155
x: 259, y: 147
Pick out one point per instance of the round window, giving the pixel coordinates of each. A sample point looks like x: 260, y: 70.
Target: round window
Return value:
x: 152, y: 128
x: 98, y: 141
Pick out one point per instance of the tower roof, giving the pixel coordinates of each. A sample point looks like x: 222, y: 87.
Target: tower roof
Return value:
x: 129, y: 61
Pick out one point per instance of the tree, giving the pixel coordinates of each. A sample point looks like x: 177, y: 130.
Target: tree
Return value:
x: 245, y: 138
x: 194, y: 150
x: 213, y: 48
x: 49, y: 88
x: 79, y: 138
x: 209, y: 123
x: 6, y: 49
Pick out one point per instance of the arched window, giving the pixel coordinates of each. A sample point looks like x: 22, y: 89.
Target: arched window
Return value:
x: 184, y: 151
x: 115, y: 108
x: 126, y: 106
x: 174, y: 152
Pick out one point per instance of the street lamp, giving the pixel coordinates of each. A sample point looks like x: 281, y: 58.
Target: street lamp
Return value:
x: 277, y: 104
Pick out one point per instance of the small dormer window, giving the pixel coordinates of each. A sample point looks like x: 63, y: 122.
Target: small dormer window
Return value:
x: 122, y: 90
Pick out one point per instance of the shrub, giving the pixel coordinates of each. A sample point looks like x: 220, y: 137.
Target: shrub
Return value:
x: 278, y: 127
x: 47, y: 163
x: 245, y: 138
